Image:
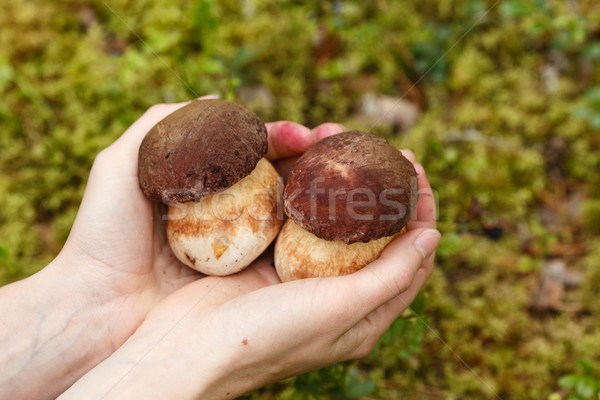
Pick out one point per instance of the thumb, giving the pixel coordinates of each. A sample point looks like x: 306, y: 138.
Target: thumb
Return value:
x: 393, y: 272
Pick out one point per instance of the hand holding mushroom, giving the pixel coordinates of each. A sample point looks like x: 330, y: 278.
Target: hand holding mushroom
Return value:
x: 220, y: 337
x: 205, y: 161
x: 115, y: 266
x: 117, y: 293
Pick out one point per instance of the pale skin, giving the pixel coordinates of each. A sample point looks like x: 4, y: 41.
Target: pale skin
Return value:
x: 116, y: 315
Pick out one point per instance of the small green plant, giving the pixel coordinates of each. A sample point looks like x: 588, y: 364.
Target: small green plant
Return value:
x: 405, y: 335
x: 583, y: 384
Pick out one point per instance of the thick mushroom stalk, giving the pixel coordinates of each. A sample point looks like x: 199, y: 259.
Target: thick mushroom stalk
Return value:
x: 299, y: 254
x: 347, y: 197
x: 206, y: 162
x: 223, y: 233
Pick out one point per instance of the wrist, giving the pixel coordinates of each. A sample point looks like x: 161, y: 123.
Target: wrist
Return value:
x: 111, y: 315
x: 53, y: 339
x: 164, y: 359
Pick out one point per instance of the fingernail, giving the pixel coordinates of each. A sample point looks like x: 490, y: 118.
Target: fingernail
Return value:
x: 342, y: 127
x: 427, y: 241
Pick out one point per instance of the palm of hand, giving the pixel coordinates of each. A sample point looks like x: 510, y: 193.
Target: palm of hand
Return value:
x: 127, y: 248
x: 272, y: 330
x: 119, y: 247
x: 340, y: 318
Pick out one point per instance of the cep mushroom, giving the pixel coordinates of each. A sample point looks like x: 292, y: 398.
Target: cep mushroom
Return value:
x: 205, y: 161
x: 347, y: 197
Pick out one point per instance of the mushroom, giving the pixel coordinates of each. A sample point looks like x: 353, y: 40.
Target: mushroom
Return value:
x: 205, y: 161
x: 347, y: 197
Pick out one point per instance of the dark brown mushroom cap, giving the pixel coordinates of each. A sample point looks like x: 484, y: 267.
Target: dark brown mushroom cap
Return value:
x: 200, y: 149
x: 351, y: 187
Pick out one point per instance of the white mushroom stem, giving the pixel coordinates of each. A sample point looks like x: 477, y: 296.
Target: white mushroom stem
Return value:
x: 300, y: 254
x: 223, y: 233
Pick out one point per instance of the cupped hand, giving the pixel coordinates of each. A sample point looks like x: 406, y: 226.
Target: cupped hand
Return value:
x: 117, y: 255
x: 222, y: 336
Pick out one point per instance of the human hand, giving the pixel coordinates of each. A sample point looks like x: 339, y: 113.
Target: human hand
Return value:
x: 222, y: 336
x: 120, y: 235
x: 115, y: 266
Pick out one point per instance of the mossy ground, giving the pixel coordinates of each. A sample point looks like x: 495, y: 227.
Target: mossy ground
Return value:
x: 509, y: 132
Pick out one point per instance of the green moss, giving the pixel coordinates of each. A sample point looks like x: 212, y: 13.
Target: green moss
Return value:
x: 508, y: 134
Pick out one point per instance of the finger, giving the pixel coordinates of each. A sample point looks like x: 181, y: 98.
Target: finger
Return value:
x: 327, y: 129
x: 426, y: 210
x: 285, y: 165
x: 287, y: 139
x: 425, y: 215
x: 409, y: 155
x: 392, y: 273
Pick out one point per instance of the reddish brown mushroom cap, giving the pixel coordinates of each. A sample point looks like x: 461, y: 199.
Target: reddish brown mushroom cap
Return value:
x: 200, y: 149
x: 351, y: 187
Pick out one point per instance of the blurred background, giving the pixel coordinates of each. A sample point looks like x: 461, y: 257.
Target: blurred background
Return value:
x: 500, y: 101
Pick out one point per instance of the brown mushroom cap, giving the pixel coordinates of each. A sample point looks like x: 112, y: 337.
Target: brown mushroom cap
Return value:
x: 351, y: 187
x: 200, y: 149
